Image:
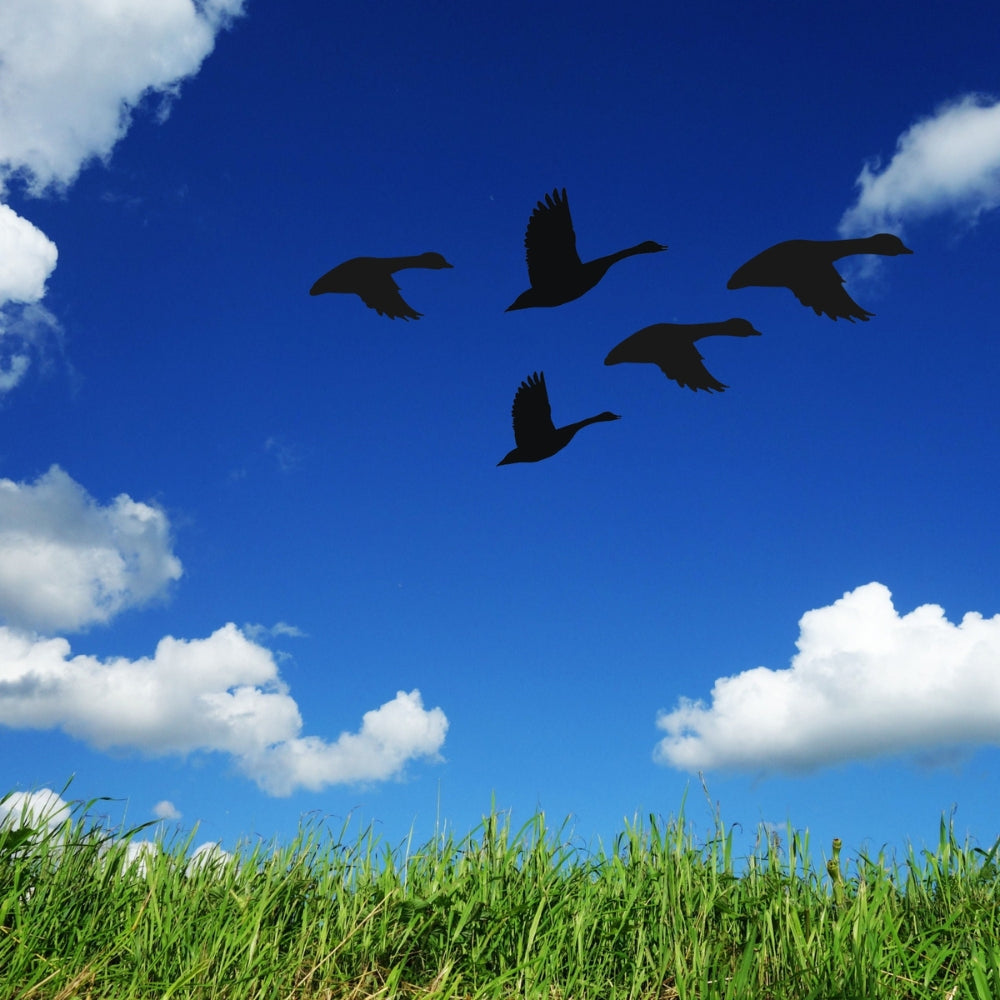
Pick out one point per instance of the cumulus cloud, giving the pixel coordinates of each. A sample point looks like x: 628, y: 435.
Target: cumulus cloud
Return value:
x: 27, y: 258
x: 208, y: 857
x: 389, y: 736
x: 75, y: 70
x: 866, y: 682
x: 67, y: 562
x: 221, y: 694
x: 166, y: 810
x: 72, y: 73
x: 46, y: 810
x: 946, y: 162
x: 141, y: 855
x: 41, y: 809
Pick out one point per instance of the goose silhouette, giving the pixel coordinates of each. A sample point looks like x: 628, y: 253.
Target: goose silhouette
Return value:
x: 534, y: 433
x: 371, y: 279
x: 806, y: 267
x: 670, y: 346
x: 556, y: 273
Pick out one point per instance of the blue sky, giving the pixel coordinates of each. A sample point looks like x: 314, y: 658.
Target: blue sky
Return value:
x: 256, y: 557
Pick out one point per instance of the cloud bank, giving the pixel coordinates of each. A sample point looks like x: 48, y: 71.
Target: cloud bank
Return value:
x: 72, y: 73
x: 67, y: 562
x: 221, y: 694
x: 47, y: 809
x: 866, y: 682
x: 946, y: 162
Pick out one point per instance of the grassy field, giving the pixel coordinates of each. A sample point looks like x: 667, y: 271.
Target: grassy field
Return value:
x: 499, y: 913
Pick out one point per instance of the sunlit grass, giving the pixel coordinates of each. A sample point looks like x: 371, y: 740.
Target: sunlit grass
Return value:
x: 499, y: 913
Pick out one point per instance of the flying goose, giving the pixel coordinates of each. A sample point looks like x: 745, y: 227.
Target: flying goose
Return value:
x: 556, y: 273
x: 371, y: 279
x: 534, y: 433
x: 670, y: 346
x: 806, y: 267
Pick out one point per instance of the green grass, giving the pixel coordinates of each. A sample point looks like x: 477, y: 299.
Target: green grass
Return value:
x: 500, y: 913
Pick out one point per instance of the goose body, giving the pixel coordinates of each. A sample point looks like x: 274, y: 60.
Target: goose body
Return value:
x: 556, y: 273
x: 806, y: 267
x: 670, y: 346
x: 371, y: 279
x: 534, y: 433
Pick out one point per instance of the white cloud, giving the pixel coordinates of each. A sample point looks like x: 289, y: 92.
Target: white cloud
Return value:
x: 166, y: 810
x: 259, y: 633
x: 74, y: 71
x: 47, y: 810
x: 139, y: 856
x: 946, y: 162
x: 43, y: 808
x: 283, y: 628
x: 390, y: 735
x: 13, y: 369
x: 208, y: 856
x: 866, y: 682
x: 67, y: 562
x: 25, y: 329
x: 27, y: 258
x: 223, y: 694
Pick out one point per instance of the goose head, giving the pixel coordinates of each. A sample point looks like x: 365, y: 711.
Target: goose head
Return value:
x: 739, y: 328
x: 434, y: 261
x: 887, y: 244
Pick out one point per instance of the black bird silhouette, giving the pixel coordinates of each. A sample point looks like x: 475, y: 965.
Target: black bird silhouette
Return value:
x: 534, y: 433
x: 806, y: 267
x: 556, y: 273
x: 670, y: 346
x: 371, y: 279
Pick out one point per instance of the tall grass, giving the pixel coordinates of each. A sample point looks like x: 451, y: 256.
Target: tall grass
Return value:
x: 499, y: 913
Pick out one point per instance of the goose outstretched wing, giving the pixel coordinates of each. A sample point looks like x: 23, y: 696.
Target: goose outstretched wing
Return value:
x: 685, y: 367
x: 381, y: 293
x: 549, y: 242
x: 824, y: 292
x: 531, y: 412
